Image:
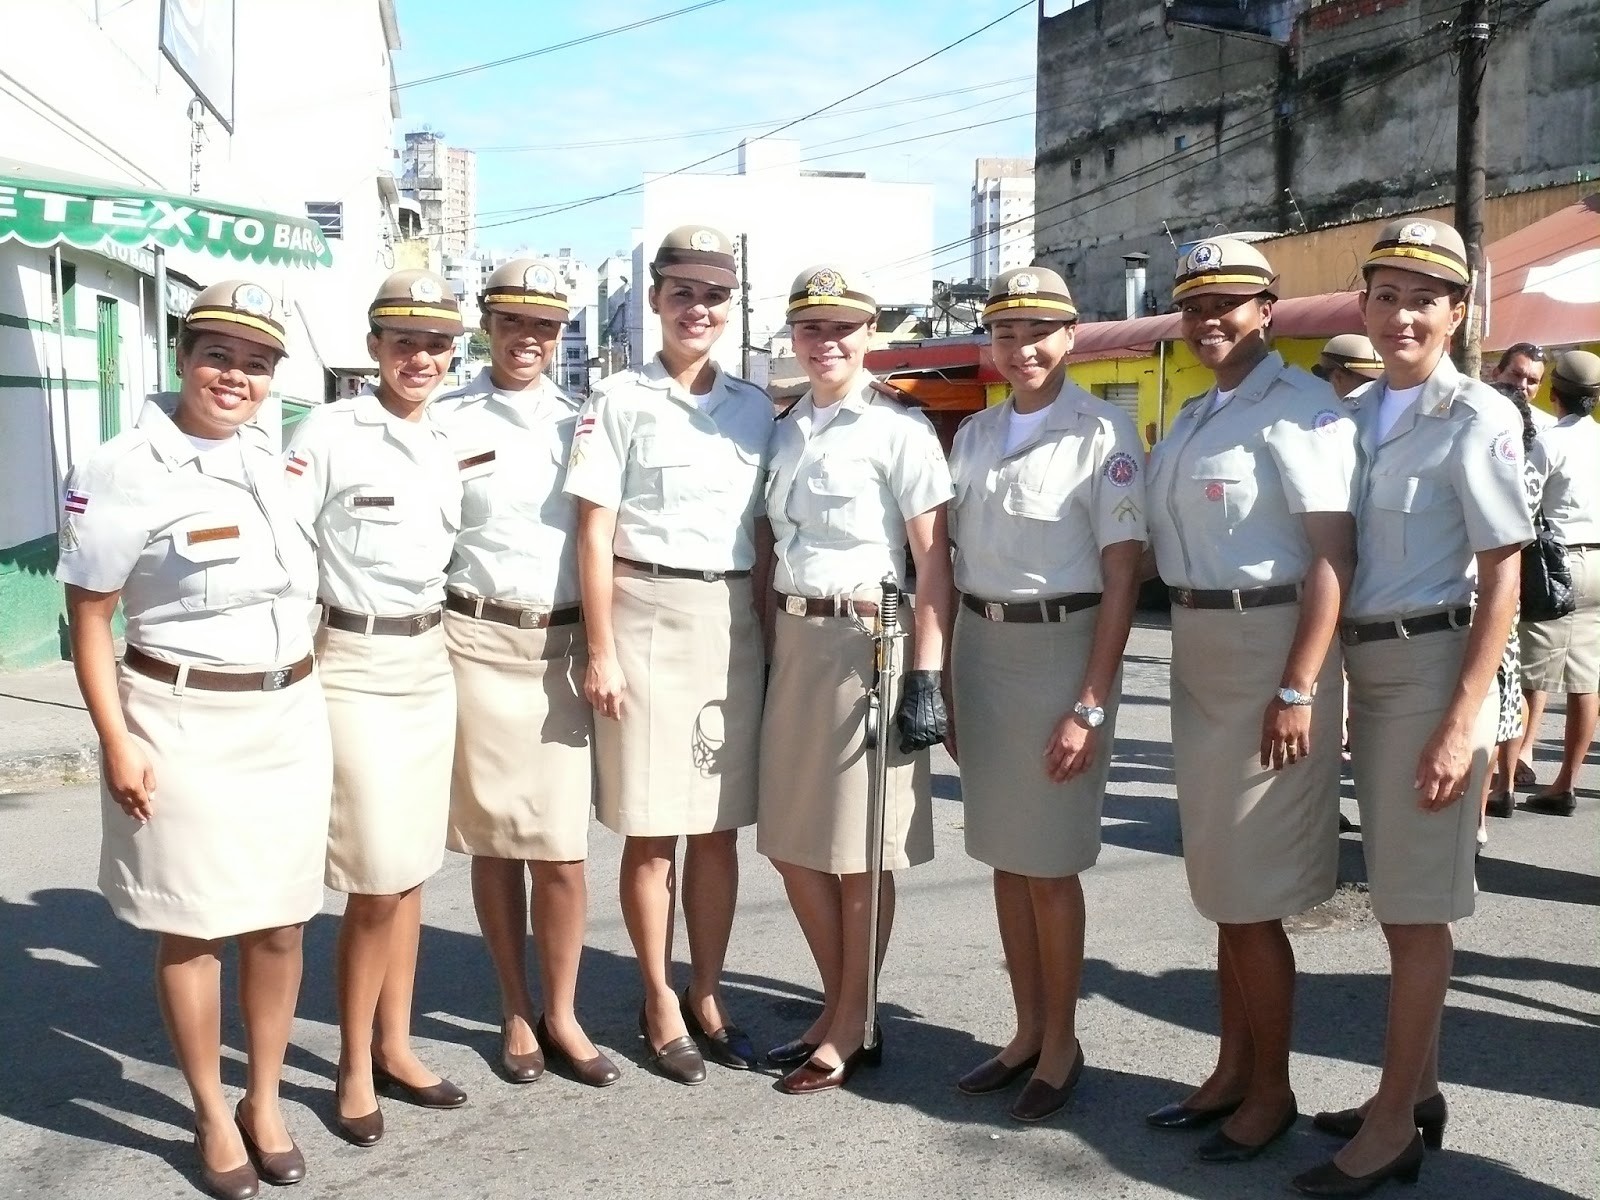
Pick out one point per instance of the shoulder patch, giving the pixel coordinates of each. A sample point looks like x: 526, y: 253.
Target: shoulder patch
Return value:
x: 1121, y: 469
x: 1508, y: 447
x: 1326, y: 420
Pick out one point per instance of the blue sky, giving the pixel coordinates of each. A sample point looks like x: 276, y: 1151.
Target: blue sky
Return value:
x: 736, y: 63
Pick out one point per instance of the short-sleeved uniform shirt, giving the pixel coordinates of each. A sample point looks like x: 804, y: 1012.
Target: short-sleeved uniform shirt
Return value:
x: 517, y: 541
x: 839, y: 497
x: 683, y: 473
x: 1229, y: 485
x: 1444, y: 484
x: 1564, y: 478
x: 1031, y: 523
x: 212, y: 565
x: 384, y: 497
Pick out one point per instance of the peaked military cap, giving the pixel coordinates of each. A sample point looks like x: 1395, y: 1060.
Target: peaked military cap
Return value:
x: 1223, y: 267
x: 1029, y: 294
x: 527, y: 285
x: 1423, y: 247
x: 696, y: 252
x: 829, y: 293
x: 239, y: 309
x: 416, y: 300
x: 1353, y: 352
x: 1576, y: 373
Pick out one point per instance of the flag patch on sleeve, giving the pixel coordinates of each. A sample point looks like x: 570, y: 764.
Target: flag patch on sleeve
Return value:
x: 296, y: 464
x: 76, y: 501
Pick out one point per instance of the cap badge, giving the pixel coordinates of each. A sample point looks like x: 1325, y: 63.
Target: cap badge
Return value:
x: 826, y: 282
x: 702, y: 239
x: 1418, y: 233
x: 1023, y: 283
x: 253, y: 299
x: 1206, y: 254
x: 427, y: 290
x: 540, y: 278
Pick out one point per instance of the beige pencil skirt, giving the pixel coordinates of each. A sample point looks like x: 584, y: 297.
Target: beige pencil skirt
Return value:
x: 1258, y: 844
x: 392, y: 708
x: 816, y: 769
x: 239, y: 828
x: 523, y: 782
x: 682, y: 759
x: 1563, y: 656
x: 1419, y: 864
x: 1013, y: 683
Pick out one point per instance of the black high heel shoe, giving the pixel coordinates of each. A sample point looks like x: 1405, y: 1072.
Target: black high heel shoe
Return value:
x: 792, y: 1054
x: 1329, y: 1180
x: 1430, y: 1115
x: 1220, y: 1148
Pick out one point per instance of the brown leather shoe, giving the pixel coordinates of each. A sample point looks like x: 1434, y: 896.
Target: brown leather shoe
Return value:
x: 364, y: 1131
x: 1040, y: 1099
x: 813, y: 1076
x: 519, y: 1068
x: 240, y: 1183
x: 279, y: 1168
x: 443, y: 1094
x: 598, y: 1071
x: 992, y: 1075
x: 679, y: 1060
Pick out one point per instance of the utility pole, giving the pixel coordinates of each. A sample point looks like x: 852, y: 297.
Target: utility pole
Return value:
x: 744, y: 306
x: 1472, y: 157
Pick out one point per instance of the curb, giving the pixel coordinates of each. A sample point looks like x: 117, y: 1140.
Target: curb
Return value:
x: 51, y: 768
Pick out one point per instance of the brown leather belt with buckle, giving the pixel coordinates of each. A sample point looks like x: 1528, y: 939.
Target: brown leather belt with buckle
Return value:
x: 1031, y: 612
x: 1238, y: 599
x: 511, y: 614
x: 681, y: 572
x: 354, y: 622
x: 217, y: 681
x: 826, y: 606
x: 1353, y: 634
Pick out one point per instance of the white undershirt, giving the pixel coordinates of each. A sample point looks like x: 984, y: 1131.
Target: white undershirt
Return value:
x: 217, y: 453
x: 1395, y: 401
x: 1222, y: 398
x: 821, y: 415
x: 1021, y: 426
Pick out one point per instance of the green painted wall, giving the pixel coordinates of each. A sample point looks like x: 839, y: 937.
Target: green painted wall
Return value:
x: 32, y: 614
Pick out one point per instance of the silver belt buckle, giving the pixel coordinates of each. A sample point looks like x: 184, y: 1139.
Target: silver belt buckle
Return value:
x: 994, y: 611
x: 710, y: 576
x: 795, y: 606
x: 276, y: 681
x: 527, y: 618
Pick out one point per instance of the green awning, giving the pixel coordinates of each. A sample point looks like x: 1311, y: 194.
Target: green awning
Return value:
x: 42, y: 207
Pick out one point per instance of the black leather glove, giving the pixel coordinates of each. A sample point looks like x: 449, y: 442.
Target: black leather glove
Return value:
x: 922, y: 718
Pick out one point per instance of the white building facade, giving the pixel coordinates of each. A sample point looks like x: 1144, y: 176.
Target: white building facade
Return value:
x: 1002, y: 216
x: 444, y: 180
x: 789, y: 218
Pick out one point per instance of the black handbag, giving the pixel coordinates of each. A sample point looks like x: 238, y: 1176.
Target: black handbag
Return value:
x: 1546, y: 575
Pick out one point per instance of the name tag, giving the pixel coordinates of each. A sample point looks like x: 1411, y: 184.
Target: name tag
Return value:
x: 221, y: 533
x: 477, y: 460
x: 372, y: 502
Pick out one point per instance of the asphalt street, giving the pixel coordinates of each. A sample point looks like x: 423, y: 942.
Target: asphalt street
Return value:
x: 90, y: 1104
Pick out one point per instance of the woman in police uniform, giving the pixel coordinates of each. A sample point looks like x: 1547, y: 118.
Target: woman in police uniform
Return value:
x: 522, y: 786
x: 375, y: 478
x: 855, y: 479
x: 667, y: 466
x: 1250, y: 501
x: 1048, y: 525
x: 1442, y: 514
x: 213, y: 735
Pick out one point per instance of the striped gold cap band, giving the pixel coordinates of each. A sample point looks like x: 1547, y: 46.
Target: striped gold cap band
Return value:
x: 801, y: 301
x: 271, y: 328
x: 1438, y: 256
x: 414, y: 310
x: 1240, y: 276
x: 1050, y: 305
x: 1358, y: 364
x: 506, y: 296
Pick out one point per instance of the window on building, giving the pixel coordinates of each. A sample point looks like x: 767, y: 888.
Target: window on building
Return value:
x: 1124, y: 395
x: 574, y: 353
x: 1111, y: 157
x: 575, y: 325
x: 1181, y: 142
x: 329, y: 216
x: 1077, y: 167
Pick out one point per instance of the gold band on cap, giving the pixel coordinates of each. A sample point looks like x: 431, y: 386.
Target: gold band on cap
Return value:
x: 525, y: 298
x: 1397, y: 250
x: 1357, y: 364
x: 803, y: 301
x: 414, y: 310
x: 238, y: 318
x: 1185, y: 286
x: 1034, y: 301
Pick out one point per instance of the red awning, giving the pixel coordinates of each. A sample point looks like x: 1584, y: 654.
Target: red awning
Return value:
x: 1544, y: 285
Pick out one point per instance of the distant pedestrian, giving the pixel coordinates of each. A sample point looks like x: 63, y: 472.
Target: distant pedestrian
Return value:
x: 1348, y: 362
x: 215, y: 762
x: 1522, y: 366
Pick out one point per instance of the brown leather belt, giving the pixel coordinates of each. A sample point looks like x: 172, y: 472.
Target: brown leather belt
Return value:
x: 217, y: 681
x: 354, y: 622
x: 1031, y: 612
x: 1353, y: 634
x: 1238, y: 599
x: 826, y: 606
x: 681, y: 572
x: 511, y: 614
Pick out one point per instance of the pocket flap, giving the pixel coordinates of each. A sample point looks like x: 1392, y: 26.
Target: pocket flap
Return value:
x: 382, y: 508
x: 842, y: 478
x: 1231, y: 466
x: 656, y: 450
x: 1400, y: 493
x: 1040, y: 505
x: 208, y: 542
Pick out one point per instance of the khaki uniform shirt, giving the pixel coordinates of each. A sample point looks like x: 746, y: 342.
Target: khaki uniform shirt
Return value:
x: 1446, y: 483
x: 1228, y: 488
x: 212, y: 565
x: 385, y: 500
x: 839, y: 499
x: 684, y: 478
x: 517, y: 538
x: 1565, y: 462
x: 1031, y: 524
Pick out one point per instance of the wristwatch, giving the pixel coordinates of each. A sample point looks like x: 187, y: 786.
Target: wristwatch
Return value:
x: 1092, y: 716
x: 1296, y: 699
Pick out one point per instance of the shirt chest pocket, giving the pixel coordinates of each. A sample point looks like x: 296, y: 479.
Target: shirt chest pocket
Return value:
x: 206, y: 556
x: 842, y: 497
x: 370, y: 527
x: 1391, y: 503
x: 1222, y: 487
x: 667, y: 478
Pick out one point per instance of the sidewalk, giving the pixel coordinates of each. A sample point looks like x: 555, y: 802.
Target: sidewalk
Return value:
x: 45, y: 735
